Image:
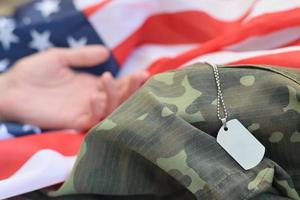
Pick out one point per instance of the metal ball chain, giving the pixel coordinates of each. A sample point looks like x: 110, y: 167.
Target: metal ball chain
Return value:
x: 220, y: 98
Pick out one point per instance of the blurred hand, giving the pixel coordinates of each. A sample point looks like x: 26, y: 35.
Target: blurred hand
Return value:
x: 43, y: 90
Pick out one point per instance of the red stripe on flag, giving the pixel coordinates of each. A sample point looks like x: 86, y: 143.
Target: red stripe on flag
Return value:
x: 174, y: 28
x: 294, y: 43
x: 94, y: 8
x: 15, y: 152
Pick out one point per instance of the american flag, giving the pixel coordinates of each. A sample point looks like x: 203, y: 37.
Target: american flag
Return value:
x: 156, y: 35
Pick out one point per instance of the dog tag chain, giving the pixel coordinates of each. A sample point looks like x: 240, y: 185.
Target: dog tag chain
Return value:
x: 233, y: 137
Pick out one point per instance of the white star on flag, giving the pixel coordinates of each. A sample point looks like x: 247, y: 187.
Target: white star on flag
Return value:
x: 26, y: 20
x: 73, y: 43
x: 4, y: 64
x: 40, y: 41
x: 7, y: 26
x: 4, y: 134
x: 47, y: 7
x: 7, y: 23
x: 28, y: 127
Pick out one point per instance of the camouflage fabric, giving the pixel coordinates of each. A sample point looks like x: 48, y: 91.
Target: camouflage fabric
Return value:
x: 162, y: 140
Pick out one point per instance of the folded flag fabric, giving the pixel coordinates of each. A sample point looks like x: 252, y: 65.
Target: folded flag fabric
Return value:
x: 36, y: 161
x: 156, y: 35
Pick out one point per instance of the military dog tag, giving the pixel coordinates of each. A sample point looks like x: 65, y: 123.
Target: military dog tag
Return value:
x: 240, y: 144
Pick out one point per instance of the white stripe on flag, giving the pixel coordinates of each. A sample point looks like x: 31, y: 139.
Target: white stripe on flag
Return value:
x: 82, y: 4
x: 272, y: 6
x: 268, y: 41
x: 223, y: 57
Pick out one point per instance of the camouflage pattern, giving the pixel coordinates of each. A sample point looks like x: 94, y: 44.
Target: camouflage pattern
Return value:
x: 162, y: 140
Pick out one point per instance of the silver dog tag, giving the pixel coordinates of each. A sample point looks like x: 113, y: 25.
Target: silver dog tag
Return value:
x: 240, y: 144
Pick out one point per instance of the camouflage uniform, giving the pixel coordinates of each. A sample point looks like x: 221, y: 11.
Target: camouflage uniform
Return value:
x: 162, y: 140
